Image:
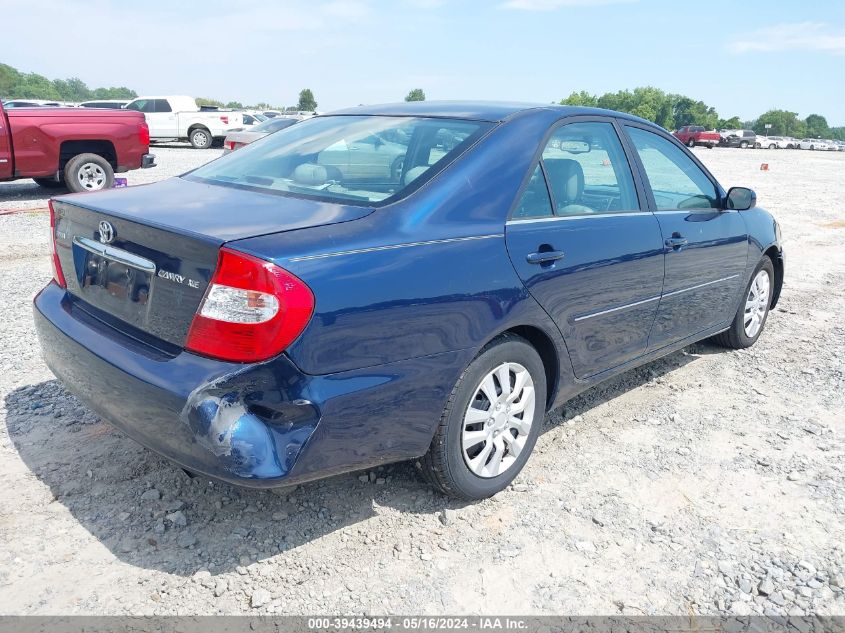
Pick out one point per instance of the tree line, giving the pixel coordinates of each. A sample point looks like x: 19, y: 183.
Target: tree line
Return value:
x: 17, y: 85
x: 673, y: 111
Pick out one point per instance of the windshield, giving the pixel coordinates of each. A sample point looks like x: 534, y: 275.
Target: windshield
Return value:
x: 352, y: 159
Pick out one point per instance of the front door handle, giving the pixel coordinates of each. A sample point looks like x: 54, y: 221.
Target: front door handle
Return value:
x: 676, y: 242
x: 544, y: 257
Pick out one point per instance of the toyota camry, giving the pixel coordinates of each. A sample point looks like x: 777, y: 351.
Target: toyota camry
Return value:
x: 420, y: 281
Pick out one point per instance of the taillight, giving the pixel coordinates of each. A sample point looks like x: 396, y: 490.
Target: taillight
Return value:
x: 230, y: 145
x: 251, y: 311
x: 225, y: 120
x: 58, y: 275
x: 144, y: 134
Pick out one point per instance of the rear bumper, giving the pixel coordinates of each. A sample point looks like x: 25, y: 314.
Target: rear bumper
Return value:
x: 259, y: 425
x: 148, y: 160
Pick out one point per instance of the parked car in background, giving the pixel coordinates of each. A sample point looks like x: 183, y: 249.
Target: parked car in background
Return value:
x: 179, y: 117
x: 271, y: 114
x: 740, y: 138
x: 692, y: 135
x: 30, y: 103
x: 814, y: 144
x: 840, y: 146
x: 273, y: 320
x: 74, y: 147
x: 775, y: 142
x: 239, y: 138
x: 253, y: 118
x: 107, y: 104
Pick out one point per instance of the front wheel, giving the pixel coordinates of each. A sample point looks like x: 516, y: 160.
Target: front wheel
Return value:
x: 201, y: 138
x: 751, y: 316
x: 88, y: 172
x: 772, y: 146
x: 491, y: 422
x: 691, y: 143
x: 743, y: 145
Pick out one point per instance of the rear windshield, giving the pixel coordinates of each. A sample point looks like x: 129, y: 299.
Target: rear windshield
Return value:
x: 272, y: 125
x: 368, y: 160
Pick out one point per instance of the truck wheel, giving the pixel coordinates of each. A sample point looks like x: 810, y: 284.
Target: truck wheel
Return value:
x: 88, y: 172
x: 691, y: 142
x: 710, y: 145
x: 201, y: 138
x: 49, y: 183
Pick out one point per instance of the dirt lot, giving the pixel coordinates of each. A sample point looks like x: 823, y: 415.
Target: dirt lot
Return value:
x: 708, y: 482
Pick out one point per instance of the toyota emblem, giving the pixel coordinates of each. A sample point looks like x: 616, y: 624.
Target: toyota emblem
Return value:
x: 106, y: 232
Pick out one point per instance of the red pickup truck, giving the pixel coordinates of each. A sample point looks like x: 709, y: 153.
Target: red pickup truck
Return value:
x: 692, y: 135
x: 80, y: 148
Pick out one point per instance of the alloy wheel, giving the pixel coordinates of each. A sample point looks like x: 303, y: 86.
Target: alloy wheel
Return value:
x: 91, y: 176
x: 756, y: 304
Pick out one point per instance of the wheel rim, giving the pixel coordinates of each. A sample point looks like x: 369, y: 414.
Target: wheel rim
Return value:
x: 200, y: 138
x: 498, y: 420
x: 91, y: 176
x: 757, y: 304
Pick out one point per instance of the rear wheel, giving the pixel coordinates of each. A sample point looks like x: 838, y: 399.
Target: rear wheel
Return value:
x: 743, y: 144
x: 88, y: 172
x: 751, y: 317
x: 200, y: 138
x: 772, y: 146
x: 49, y: 183
x: 491, y: 421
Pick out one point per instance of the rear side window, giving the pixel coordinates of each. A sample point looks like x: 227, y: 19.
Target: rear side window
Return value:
x: 676, y: 181
x: 588, y: 171
x: 535, y: 201
x: 162, y: 105
x: 367, y: 160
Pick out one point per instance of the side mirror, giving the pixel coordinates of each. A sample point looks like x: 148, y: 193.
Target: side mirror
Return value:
x: 741, y: 198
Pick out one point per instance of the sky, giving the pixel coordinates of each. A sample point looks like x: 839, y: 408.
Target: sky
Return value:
x: 742, y: 57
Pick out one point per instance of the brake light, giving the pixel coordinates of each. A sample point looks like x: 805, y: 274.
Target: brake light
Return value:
x: 251, y: 311
x: 225, y: 120
x: 58, y: 275
x: 230, y: 145
x: 144, y: 134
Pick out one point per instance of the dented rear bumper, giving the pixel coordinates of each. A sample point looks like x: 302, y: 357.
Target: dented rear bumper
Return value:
x: 258, y: 425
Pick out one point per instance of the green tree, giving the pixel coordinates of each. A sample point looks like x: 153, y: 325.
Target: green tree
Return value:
x: 307, y: 102
x: 204, y: 101
x: 9, y: 79
x: 235, y: 105
x: 689, y: 112
x: 817, y: 126
x: 582, y: 98
x: 416, y: 94
x: 783, y: 122
x: 729, y: 124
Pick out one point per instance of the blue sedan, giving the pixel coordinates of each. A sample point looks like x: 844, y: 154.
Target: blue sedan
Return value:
x: 417, y: 281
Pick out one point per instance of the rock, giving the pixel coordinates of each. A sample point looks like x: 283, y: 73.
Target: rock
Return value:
x: 126, y: 545
x: 186, y: 539
x: 585, y: 546
x: 151, y: 495
x: 259, y: 598
x: 778, y: 598
x: 363, y: 479
x: 426, y: 556
x: 519, y: 487
x: 726, y: 568
x: 766, y: 587
x: 201, y: 575
x: 380, y: 481
x: 598, y: 521
x: 173, y: 506
x: 448, y: 516
x: 793, y: 476
x: 683, y: 450
x: 803, y: 564
x: 280, y: 516
x: 177, y: 518
x: 744, y: 585
x: 838, y: 580
x: 741, y: 608
x: 372, y: 475
x: 220, y: 587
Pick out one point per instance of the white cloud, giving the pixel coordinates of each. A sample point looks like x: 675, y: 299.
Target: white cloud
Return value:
x: 549, y: 5
x: 803, y: 36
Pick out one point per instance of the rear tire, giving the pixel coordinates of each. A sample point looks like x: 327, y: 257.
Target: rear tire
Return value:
x: 200, y: 138
x: 470, y: 457
x: 751, y: 316
x: 772, y: 146
x: 49, y: 183
x: 743, y: 145
x: 88, y: 172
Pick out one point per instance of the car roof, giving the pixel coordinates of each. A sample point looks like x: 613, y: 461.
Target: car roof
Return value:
x: 475, y: 110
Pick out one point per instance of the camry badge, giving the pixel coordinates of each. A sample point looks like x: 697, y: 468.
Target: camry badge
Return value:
x: 107, y: 232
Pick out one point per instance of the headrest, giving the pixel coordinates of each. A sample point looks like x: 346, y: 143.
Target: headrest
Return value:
x: 310, y: 174
x: 566, y: 179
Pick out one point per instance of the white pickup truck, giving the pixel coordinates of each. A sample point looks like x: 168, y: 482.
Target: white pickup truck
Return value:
x: 180, y: 117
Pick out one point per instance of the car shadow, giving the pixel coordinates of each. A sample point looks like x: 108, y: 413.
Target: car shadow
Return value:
x: 151, y: 514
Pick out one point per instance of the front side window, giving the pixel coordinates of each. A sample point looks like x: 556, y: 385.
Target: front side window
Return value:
x: 353, y: 159
x: 588, y: 171
x: 676, y: 181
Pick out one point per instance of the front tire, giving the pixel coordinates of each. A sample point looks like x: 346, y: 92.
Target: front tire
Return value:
x: 691, y: 143
x: 88, y: 172
x: 200, y: 138
x: 743, y: 145
x: 752, y: 313
x: 491, y: 421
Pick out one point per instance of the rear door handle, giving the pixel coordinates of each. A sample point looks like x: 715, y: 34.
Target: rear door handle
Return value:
x: 544, y: 257
x: 676, y: 242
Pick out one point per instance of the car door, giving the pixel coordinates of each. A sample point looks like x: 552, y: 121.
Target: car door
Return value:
x: 587, y: 248
x: 5, y: 148
x: 705, y: 246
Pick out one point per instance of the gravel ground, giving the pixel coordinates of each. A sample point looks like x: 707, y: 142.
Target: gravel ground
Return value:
x: 172, y: 159
x: 707, y: 482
